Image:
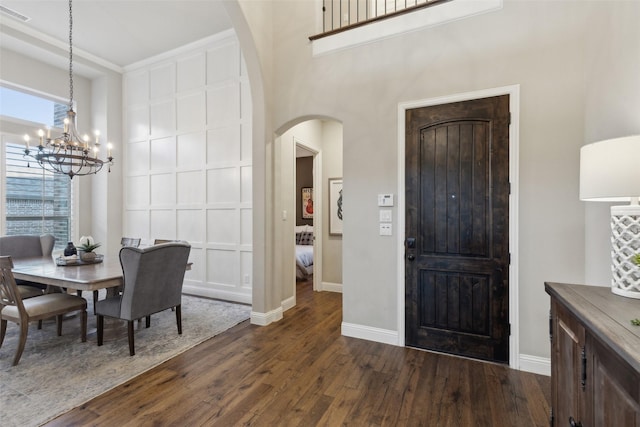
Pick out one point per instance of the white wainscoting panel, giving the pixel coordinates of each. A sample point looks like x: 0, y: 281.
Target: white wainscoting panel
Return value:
x: 188, y: 162
x: 192, y: 145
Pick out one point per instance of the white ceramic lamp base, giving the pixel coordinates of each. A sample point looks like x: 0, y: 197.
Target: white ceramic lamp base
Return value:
x: 625, y: 241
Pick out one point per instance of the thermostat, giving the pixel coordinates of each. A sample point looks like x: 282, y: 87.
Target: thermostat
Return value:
x: 385, y: 199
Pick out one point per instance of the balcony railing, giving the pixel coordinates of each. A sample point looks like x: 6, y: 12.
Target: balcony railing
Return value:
x: 342, y: 15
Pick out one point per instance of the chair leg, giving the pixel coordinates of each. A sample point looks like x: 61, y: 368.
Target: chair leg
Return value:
x: 24, y: 329
x: 132, y: 350
x: 59, y: 324
x: 83, y: 325
x: 95, y: 301
x: 148, y: 321
x: 179, y: 318
x: 3, y: 330
x: 100, y: 328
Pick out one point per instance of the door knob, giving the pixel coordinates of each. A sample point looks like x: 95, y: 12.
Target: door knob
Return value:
x: 411, y: 257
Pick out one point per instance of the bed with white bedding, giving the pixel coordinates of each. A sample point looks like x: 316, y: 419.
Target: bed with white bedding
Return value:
x: 304, y: 261
x: 304, y: 252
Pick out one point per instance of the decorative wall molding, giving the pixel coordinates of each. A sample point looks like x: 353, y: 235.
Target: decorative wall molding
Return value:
x: 187, y: 158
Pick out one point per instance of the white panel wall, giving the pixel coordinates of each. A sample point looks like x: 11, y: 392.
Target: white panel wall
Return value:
x: 188, y: 162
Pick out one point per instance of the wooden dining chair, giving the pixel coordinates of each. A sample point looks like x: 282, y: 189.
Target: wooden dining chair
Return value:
x: 152, y: 282
x: 21, y: 312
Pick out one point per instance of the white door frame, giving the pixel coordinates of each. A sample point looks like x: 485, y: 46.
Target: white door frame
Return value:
x: 318, y: 197
x: 514, y: 107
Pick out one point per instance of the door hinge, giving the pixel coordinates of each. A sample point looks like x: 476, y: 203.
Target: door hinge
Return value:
x: 551, y: 419
x: 509, y: 329
x: 509, y: 258
x: 509, y: 117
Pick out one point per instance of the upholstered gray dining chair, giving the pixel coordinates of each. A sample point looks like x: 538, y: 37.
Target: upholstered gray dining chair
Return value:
x: 130, y: 241
x: 23, y: 246
x: 152, y: 283
x: 125, y: 241
x: 27, y: 246
x: 14, y: 309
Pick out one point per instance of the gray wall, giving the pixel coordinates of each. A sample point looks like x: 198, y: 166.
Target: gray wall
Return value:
x: 545, y: 47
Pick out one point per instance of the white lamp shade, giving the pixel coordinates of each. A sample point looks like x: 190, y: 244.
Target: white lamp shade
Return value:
x: 610, y: 170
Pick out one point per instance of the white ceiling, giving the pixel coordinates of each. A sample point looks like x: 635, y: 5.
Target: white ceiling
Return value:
x: 118, y: 32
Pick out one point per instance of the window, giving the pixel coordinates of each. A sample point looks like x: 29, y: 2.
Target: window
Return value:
x: 34, y: 201
x: 32, y: 108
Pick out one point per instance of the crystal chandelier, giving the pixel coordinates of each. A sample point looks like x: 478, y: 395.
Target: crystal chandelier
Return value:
x: 68, y: 153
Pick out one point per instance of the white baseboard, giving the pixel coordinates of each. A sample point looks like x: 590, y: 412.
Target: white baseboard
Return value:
x: 216, y: 293
x: 264, y: 319
x: 528, y: 363
x: 535, y: 364
x: 368, y: 333
x: 289, y: 303
x: 332, y: 287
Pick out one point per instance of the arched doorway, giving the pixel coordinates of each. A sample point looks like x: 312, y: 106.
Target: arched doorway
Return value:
x: 321, y: 140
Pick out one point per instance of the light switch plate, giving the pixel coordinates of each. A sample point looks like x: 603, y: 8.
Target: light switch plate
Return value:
x: 386, y: 229
x: 386, y: 215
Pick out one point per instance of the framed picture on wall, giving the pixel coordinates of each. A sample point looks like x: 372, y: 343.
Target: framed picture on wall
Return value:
x: 335, y: 206
x: 307, y: 203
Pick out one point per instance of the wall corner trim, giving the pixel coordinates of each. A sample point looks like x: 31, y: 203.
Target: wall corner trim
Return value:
x: 264, y: 319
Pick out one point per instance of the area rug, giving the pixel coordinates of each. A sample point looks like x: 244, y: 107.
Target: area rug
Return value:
x: 56, y: 374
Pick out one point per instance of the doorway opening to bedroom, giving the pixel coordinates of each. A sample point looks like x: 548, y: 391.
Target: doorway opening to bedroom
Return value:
x: 305, y: 200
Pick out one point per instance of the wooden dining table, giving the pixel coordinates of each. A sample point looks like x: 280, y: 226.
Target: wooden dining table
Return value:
x: 79, y: 277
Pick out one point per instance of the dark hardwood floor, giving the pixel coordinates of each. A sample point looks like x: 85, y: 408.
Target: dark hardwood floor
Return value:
x: 302, y: 372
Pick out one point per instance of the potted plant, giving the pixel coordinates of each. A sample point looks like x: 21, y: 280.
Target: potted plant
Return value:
x: 86, y: 246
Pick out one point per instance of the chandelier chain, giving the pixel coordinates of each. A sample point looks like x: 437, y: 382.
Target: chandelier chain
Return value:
x: 70, y: 56
x: 69, y: 153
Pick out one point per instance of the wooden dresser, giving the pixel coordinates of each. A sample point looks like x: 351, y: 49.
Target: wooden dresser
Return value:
x: 595, y: 357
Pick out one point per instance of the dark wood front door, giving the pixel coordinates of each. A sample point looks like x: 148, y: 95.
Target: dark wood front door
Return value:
x: 457, y: 228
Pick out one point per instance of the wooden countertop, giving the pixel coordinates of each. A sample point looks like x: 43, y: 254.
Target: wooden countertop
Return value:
x: 607, y: 315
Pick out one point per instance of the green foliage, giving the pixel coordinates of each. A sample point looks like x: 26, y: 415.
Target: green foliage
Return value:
x: 89, y: 247
x: 636, y: 259
x: 635, y: 322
